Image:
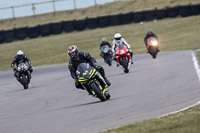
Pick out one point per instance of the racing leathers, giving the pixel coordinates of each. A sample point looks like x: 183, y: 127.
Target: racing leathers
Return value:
x: 16, y: 61
x: 84, y: 57
x: 121, y: 41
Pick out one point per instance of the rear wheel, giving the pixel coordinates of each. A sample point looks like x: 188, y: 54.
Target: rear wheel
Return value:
x: 98, y: 92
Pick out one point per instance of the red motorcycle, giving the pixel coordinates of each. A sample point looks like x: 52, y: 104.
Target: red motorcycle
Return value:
x: 123, y: 57
x: 152, y: 46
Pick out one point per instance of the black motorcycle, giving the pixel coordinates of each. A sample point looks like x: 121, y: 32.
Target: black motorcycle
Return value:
x: 92, y: 81
x: 106, y: 53
x: 24, y: 74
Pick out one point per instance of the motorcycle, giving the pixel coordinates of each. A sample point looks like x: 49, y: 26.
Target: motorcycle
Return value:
x: 24, y: 74
x: 123, y: 57
x: 106, y: 53
x: 152, y: 46
x: 91, y: 80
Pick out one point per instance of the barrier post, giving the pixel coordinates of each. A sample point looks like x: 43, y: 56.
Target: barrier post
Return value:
x: 74, y: 4
x: 54, y: 7
x: 33, y: 8
x: 13, y: 12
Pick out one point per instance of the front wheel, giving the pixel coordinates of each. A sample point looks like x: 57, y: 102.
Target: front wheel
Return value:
x: 124, y: 64
x: 153, y: 52
x: 24, y: 82
x: 97, y: 91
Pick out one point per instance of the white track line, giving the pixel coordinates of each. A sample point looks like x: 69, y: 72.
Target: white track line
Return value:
x: 196, y: 66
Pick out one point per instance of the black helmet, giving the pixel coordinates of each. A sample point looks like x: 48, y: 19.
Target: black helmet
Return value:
x: 20, y: 54
x: 73, y: 51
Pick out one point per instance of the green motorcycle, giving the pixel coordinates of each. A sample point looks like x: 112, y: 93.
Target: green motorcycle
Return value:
x: 92, y: 81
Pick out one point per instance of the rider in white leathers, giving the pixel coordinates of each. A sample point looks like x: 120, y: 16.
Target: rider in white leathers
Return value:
x: 119, y: 40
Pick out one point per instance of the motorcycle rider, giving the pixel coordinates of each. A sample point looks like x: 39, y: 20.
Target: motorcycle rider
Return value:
x: 119, y: 40
x: 104, y: 42
x: 21, y: 58
x: 76, y: 58
x: 150, y: 34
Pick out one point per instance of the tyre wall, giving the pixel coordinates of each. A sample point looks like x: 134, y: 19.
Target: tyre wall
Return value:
x: 97, y: 22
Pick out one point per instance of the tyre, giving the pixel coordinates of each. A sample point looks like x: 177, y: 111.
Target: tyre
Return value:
x: 124, y: 64
x: 153, y: 52
x: 24, y: 82
x: 107, y: 95
x: 97, y: 91
x: 154, y: 56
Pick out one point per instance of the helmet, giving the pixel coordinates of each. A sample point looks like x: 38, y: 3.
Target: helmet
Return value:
x: 103, y: 39
x: 117, y: 36
x: 150, y: 31
x: 20, y: 54
x: 73, y: 51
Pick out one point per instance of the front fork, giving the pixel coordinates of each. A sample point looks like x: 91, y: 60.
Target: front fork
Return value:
x: 101, y: 80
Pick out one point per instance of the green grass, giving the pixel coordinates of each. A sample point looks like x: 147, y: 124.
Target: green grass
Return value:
x: 174, y: 34
x: 198, y: 56
x: 183, y: 122
x: 99, y: 10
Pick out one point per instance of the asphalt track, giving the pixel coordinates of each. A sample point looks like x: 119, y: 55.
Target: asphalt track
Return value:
x: 154, y: 87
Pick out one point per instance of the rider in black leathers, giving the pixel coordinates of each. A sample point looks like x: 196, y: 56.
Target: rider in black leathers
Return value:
x: 150, y: 34
x: 21, y: 58
x: 76, y: 58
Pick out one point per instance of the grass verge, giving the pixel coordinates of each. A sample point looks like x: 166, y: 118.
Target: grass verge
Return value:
x: 183, y: 122
x: 174, y: 34
x: 198, y: 56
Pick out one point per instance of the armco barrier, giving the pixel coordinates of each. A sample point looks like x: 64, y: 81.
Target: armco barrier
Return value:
x: 69, y: 26
x: 195, y: 9
x: 115, y: 20
x: 1, y: 37
x: 21, y: 33
x: 103, y: 21
x: 33, y: 32
x: 149, y: 15
x: 92, y: 23
x: 173, y: 12
x: 56, y: 28
x: 138, y: 16
x: 9, y: 35
x: 45, y: 30
x: 126, y: 18
x: 80, y: 24
x: 161, y: 13
x: 184, y: 11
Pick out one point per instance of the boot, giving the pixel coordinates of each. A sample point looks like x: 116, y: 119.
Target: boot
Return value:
x: 131, y: 60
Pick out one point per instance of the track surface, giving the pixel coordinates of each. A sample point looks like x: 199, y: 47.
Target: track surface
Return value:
x: 53, y: 105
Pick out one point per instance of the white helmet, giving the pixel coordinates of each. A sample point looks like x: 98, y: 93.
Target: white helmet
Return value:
x: 20, y: 54
x: 117, y: 36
